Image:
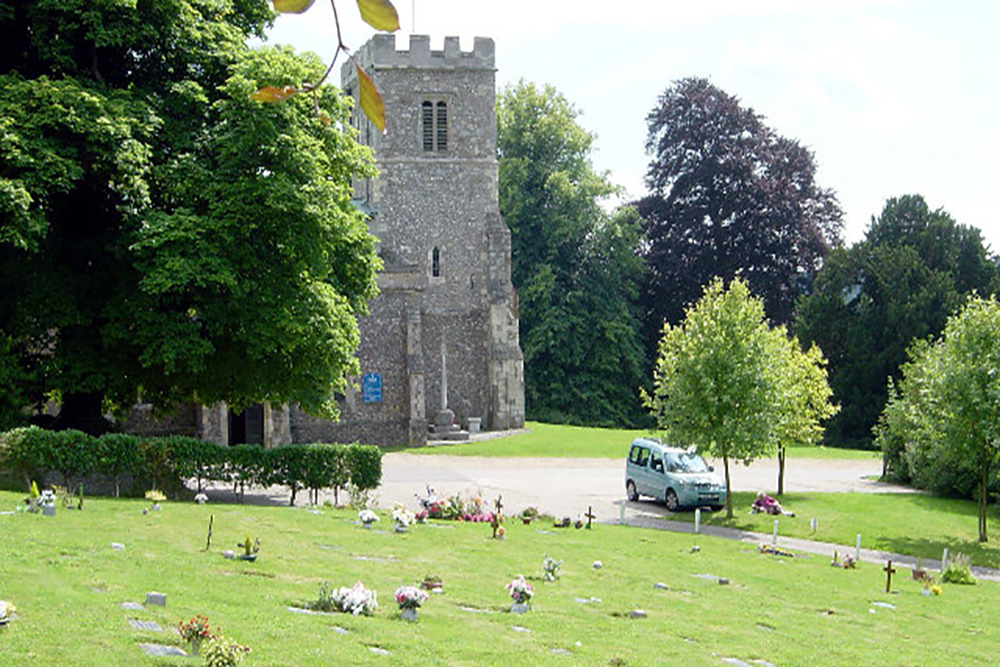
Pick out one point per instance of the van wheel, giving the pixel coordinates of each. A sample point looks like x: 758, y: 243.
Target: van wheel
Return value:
x: 671, y: 500
x: 630, y: 491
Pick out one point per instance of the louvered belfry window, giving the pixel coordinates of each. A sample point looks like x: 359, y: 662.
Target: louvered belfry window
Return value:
x: 434, y: 125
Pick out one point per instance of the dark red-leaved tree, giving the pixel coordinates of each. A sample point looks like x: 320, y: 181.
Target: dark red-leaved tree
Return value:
x: 728, y: 197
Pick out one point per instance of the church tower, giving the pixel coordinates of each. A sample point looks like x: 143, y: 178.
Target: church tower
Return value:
x: 442, y: 336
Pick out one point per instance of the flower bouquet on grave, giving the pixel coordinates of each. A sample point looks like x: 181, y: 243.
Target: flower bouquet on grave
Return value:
x: 409, y: 599
x: 356, y: 600
x: 521, y: 592
x: 402, y: 517
x: 367, y: 517
x: 47, y: 501
x: 250, y: 549
x: 156, y: 497
x: 195, y: 631
x: 6, y: 611
x: 222, y: 652
x: 847, y: 563
x: 550, y: 567
x: 930, y: 587
x: 432, y: 582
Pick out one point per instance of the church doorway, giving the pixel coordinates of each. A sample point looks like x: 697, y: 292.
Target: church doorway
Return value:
x: 247, y: 427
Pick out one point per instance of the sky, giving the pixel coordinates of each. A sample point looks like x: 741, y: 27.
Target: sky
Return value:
x: 892, y: 97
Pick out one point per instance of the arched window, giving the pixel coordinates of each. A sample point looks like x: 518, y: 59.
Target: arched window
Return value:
x: 436, y: 262
x: 434, y: 125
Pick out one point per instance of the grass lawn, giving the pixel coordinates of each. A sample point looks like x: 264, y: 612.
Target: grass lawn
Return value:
x: 912, y: 524
x: 68, y: 585
x: 581, y: 442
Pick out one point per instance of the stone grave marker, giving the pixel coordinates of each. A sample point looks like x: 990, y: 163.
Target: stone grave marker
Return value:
x: 134, y: 606
x: 161, y: 651
x: 149, y: 626
x: 159, y: 599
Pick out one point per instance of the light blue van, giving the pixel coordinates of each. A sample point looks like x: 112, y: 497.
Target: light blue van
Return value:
x: 678, y: 477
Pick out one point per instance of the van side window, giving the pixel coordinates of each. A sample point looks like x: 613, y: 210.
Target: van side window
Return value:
x: 633, y: 455
x: 656, y: 464
x: 643, y: 457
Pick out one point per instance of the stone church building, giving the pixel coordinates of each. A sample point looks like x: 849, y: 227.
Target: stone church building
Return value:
x: 440, y: 347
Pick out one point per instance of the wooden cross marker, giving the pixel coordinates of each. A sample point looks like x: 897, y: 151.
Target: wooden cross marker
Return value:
x: 590, y: 516
x: 208, y: 542
x: 889, y: 571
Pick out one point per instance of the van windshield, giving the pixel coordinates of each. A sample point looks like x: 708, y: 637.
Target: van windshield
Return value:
x: 691, y: 463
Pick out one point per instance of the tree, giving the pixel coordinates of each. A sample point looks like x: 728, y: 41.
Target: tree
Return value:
x: 900, y: 283
x: 947, y: 408
x: 575, y: 266
x: 804, y: 398
x: 730, y: 385
x: 164, y: 234
x: 728, y: 197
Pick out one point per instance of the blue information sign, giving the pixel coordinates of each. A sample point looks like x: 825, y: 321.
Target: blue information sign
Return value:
x: 371, y: 388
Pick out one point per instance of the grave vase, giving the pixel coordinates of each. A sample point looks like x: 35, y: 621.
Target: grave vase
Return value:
x: 194, y: 646
x: 408, y: 614
x: 519, y: 607
x: 49, y: 510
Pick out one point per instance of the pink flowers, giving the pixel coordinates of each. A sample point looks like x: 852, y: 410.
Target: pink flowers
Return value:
x: 410, y: 597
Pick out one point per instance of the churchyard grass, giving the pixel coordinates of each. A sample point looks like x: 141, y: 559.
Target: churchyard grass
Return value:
x: 560, y: 441
x: 915, y: 524
x: 68, y: 583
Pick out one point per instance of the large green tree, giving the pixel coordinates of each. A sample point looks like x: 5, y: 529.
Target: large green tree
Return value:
x: 163, y: 234
x: 575, y: 266
x: 946, y: 412
x: 728, y: 197
x: 901, y: 282
x: 731, y: 385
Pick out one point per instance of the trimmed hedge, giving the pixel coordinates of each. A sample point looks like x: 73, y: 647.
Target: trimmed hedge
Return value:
x: 165, y: 463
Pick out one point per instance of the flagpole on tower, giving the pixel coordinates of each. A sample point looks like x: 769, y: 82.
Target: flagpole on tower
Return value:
x: 413, y: 17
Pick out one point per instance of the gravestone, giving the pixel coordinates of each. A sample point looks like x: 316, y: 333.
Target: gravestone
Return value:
x: 159, y: 599
x: 134, y: 606
x: 161, y: 651
x: 149, y: 626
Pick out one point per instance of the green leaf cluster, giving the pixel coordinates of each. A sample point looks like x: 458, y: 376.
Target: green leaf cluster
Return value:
x: 942, y: 422
x: 574, y: 265
x: 912, y: 270
x: 732, y: 386
x: 164, y: 235
x: 164, y: 463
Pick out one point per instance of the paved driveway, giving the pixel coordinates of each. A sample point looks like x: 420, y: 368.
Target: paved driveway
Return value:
x: 566, y: 487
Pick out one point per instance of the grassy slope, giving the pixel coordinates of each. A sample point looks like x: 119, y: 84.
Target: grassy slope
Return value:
x: 580, y: 442
x: 913, y: 524
x: 68, y: 584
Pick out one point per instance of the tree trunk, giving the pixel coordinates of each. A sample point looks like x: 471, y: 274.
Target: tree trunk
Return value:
x: 781, y: 469
x: 984, y: 480
x: 729, y: 490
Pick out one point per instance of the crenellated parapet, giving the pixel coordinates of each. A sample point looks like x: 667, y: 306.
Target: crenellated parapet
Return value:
x: 381, y: 53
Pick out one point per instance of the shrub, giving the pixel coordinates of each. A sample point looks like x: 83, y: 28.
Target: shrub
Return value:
x: 365, y: 464
x: 118, y: 454
x: 959, y: 571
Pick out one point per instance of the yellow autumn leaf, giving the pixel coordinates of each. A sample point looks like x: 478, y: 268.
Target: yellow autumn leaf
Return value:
x: 269, y: 94
x: 379, y: 14
x: 292, y: 6
x: 371, y: 100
